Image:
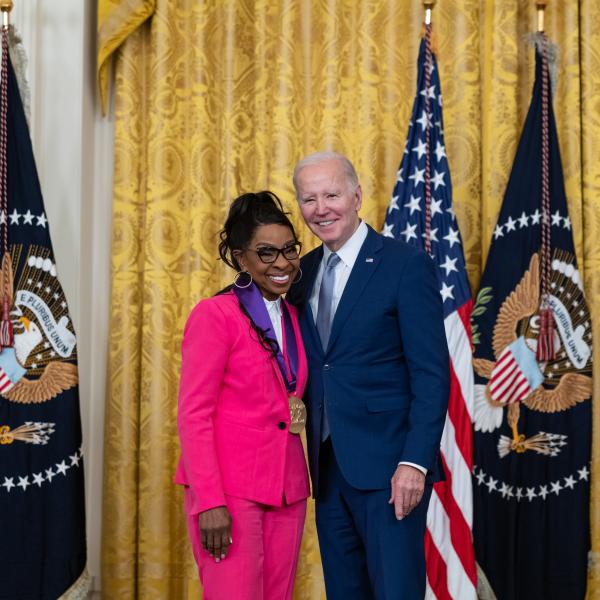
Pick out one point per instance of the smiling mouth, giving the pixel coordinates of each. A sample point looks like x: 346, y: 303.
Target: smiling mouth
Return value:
x: 279, y: 278
x: 324, y: 223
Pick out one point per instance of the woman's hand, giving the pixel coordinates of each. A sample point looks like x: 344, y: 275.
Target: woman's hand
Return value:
x: 215, y: 531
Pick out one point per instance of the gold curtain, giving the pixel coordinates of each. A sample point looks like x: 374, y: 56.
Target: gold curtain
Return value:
x: 212, y: 99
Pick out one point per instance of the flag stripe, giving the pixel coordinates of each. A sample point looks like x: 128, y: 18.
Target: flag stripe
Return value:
x: 520, y: 388
x: 437, y: 573
x: 461, y: 411
x: 525, y: 389
x: 464, y: 312
x: 510, y: 390
x: 459, y: 584
x: 502, y: 377
x: 504, y: 391
x: 5, y: 383
x: 503, y: 371
x: 460, y: 529
x: 454, y: 461
x: 457, y: 457
x: 462, y: 434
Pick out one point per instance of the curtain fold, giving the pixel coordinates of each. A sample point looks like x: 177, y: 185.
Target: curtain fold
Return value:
x: 117, y: 19
x: 213, y: 99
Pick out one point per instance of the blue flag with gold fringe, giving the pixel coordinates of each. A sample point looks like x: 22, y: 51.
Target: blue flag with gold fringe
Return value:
x: 43, y: 550
x: 533, y: 380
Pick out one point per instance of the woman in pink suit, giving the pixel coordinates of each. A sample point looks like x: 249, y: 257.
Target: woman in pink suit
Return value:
x: 240, y: 413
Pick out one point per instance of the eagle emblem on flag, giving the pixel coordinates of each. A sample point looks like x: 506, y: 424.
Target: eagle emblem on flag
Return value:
x: 516, y: 378
x: 41, y: 363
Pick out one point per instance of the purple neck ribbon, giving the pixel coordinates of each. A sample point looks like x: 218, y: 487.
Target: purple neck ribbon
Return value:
x: 251, y: 299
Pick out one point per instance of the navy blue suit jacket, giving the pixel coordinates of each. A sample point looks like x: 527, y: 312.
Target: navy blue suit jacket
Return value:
x: 385, y: 374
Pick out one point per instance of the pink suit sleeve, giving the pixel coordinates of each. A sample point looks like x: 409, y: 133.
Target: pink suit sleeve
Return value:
x: 205, y: 350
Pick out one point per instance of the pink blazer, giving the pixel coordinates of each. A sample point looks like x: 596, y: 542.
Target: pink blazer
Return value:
x: 233, y: 415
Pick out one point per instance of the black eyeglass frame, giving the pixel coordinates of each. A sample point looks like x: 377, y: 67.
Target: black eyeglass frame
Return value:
x: 296, y: 245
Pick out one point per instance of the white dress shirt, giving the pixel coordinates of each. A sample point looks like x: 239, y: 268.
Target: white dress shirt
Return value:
x: 348, y: 254
x: 274, y: 310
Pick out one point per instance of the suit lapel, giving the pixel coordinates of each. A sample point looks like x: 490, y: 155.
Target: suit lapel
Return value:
x: 278, y: 374
x: 301, y: 375
x: 366, y: 263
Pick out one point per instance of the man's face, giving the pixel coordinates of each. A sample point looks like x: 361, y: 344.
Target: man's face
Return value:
x: 329, y: 202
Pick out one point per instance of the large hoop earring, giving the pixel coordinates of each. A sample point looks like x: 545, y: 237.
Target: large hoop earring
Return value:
x: 237, y: 278
x: 298, y: 278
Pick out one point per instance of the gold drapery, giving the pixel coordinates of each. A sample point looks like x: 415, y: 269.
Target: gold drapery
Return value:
x: 212, y: 99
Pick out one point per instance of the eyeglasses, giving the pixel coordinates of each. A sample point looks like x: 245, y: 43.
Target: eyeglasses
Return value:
x: 269, y: 254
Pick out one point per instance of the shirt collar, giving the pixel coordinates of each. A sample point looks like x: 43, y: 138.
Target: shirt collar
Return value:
x: 273, y: 306
x: 348, y: 253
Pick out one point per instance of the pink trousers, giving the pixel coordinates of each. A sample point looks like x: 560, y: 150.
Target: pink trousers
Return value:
x: 261, y: 562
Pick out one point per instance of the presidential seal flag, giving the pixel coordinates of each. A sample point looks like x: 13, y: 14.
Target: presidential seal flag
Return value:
x: 533, y: 359
x: 420, y: 213
x: 43, y: 550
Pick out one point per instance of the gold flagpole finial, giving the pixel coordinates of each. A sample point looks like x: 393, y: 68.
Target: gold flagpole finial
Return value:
x: 6, y: 6
x: 428, y: 4
x: 540, y: 6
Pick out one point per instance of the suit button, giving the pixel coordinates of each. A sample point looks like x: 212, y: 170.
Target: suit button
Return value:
x: 281, y: 425
x: 325, y: 367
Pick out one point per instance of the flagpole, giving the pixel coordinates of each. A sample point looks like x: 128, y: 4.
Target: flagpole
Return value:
x: 6, y: 328
x: 428, y: 4
x: 540, y: 6
x: 6, y: 6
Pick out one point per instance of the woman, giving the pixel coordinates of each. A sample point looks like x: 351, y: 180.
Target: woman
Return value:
x: 242, y: 376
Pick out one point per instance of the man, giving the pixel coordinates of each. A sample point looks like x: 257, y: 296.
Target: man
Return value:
x: 371, y: 318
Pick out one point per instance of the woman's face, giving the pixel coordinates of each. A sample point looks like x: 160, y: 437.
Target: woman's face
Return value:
x: 272, y: 278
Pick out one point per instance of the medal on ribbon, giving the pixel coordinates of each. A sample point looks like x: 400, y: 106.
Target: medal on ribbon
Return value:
x: 297, y: 414
x: 287, y: 359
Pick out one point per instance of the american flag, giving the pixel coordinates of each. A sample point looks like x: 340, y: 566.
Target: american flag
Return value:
x: 450, y: 558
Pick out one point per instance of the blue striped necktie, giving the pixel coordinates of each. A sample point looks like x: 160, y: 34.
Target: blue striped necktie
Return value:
x: 324, y: 319
x: 324, y: 316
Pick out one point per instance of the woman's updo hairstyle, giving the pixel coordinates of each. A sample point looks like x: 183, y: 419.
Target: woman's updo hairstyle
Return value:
x: 246, y: 214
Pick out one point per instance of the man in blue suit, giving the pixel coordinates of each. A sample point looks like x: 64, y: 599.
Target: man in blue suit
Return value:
x: 372, y: 323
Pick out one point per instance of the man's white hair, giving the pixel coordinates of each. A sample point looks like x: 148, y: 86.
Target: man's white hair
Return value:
x: 320, y: 157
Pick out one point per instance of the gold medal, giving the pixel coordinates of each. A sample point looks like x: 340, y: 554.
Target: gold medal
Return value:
x: 297, y: 414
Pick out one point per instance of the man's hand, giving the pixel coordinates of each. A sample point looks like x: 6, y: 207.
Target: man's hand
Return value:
x: 408, y: 485
x: 215, y: 531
